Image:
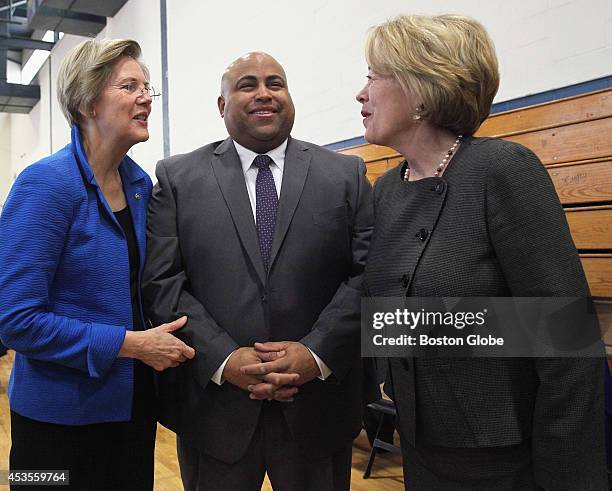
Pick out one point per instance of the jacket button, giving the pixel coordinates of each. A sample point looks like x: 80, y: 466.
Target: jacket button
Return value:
x: 439, y: 188
x: 404, y: 280
x: 422, y: 234
x: 264, y: 298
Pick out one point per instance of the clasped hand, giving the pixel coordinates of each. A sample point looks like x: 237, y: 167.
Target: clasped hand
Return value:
x: 272, y: 370
x: 158, y: 347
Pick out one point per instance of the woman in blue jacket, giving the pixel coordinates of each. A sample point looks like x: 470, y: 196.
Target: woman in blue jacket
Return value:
x: 72, y: 247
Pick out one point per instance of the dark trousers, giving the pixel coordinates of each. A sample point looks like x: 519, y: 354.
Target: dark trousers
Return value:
x: 104, y: 456
x: 271, y: 450
x: 468, y: 469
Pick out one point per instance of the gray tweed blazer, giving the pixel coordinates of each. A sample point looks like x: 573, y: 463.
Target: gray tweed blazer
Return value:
x: 492, y: 225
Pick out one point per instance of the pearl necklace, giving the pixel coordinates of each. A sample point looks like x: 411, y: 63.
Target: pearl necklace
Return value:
x: 445, y: 160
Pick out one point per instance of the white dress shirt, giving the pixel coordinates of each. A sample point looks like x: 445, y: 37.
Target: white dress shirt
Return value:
x: 250, y: 177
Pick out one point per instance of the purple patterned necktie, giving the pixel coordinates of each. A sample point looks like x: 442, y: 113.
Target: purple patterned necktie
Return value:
x: 266, y: 205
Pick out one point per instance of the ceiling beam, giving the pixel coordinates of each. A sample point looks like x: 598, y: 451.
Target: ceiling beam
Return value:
x: 66, y: 21
x: 17, y: 98
x: 12, y: 6
x: 24, y: 43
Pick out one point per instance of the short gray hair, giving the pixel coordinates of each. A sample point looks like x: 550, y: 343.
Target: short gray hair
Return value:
x: 85, y: 71
x: 447, y: 60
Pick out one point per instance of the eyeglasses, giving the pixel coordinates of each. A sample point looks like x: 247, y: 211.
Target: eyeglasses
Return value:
x: 134, y: 89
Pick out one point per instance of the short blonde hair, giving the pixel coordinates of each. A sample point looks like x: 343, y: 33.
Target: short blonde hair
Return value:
x: 447, y: 61
x: 86, y: 70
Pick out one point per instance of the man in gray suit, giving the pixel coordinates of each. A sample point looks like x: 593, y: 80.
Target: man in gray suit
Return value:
x: 261, y: 241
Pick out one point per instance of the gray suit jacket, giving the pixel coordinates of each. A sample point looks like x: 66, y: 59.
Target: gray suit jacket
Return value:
x: 203, y: 261
x: 492, y: 225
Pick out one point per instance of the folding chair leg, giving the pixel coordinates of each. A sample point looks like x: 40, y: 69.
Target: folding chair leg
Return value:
x: 368, y: 469
x: 366, y: 474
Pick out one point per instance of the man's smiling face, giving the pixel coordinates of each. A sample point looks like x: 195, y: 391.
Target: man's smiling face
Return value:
x: 255, y: 102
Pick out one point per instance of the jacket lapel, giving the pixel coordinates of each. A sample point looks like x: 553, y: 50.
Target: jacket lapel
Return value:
x: 297, y: 163
x: 135, y: 187
x: 88, y: 174
x: 136, y: 195
x: 228, y: 172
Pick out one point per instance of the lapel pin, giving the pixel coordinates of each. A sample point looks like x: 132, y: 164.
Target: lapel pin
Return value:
x: 138, y: 196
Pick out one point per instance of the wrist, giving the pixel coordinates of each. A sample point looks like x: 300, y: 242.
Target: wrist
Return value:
x: 132, y: 345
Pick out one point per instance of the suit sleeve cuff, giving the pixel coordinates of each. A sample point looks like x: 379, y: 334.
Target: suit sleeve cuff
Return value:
x: 105, y: 343
x: 217, y: 377
x: 323, y: 368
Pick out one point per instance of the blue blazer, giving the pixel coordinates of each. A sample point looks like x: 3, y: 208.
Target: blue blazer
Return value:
x: 65, y: 292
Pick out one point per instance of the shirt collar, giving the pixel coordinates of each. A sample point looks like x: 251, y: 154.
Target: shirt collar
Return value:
x: 247, y: 156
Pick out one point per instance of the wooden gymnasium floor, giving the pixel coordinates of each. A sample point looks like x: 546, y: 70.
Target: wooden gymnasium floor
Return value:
x: 386, y: 474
